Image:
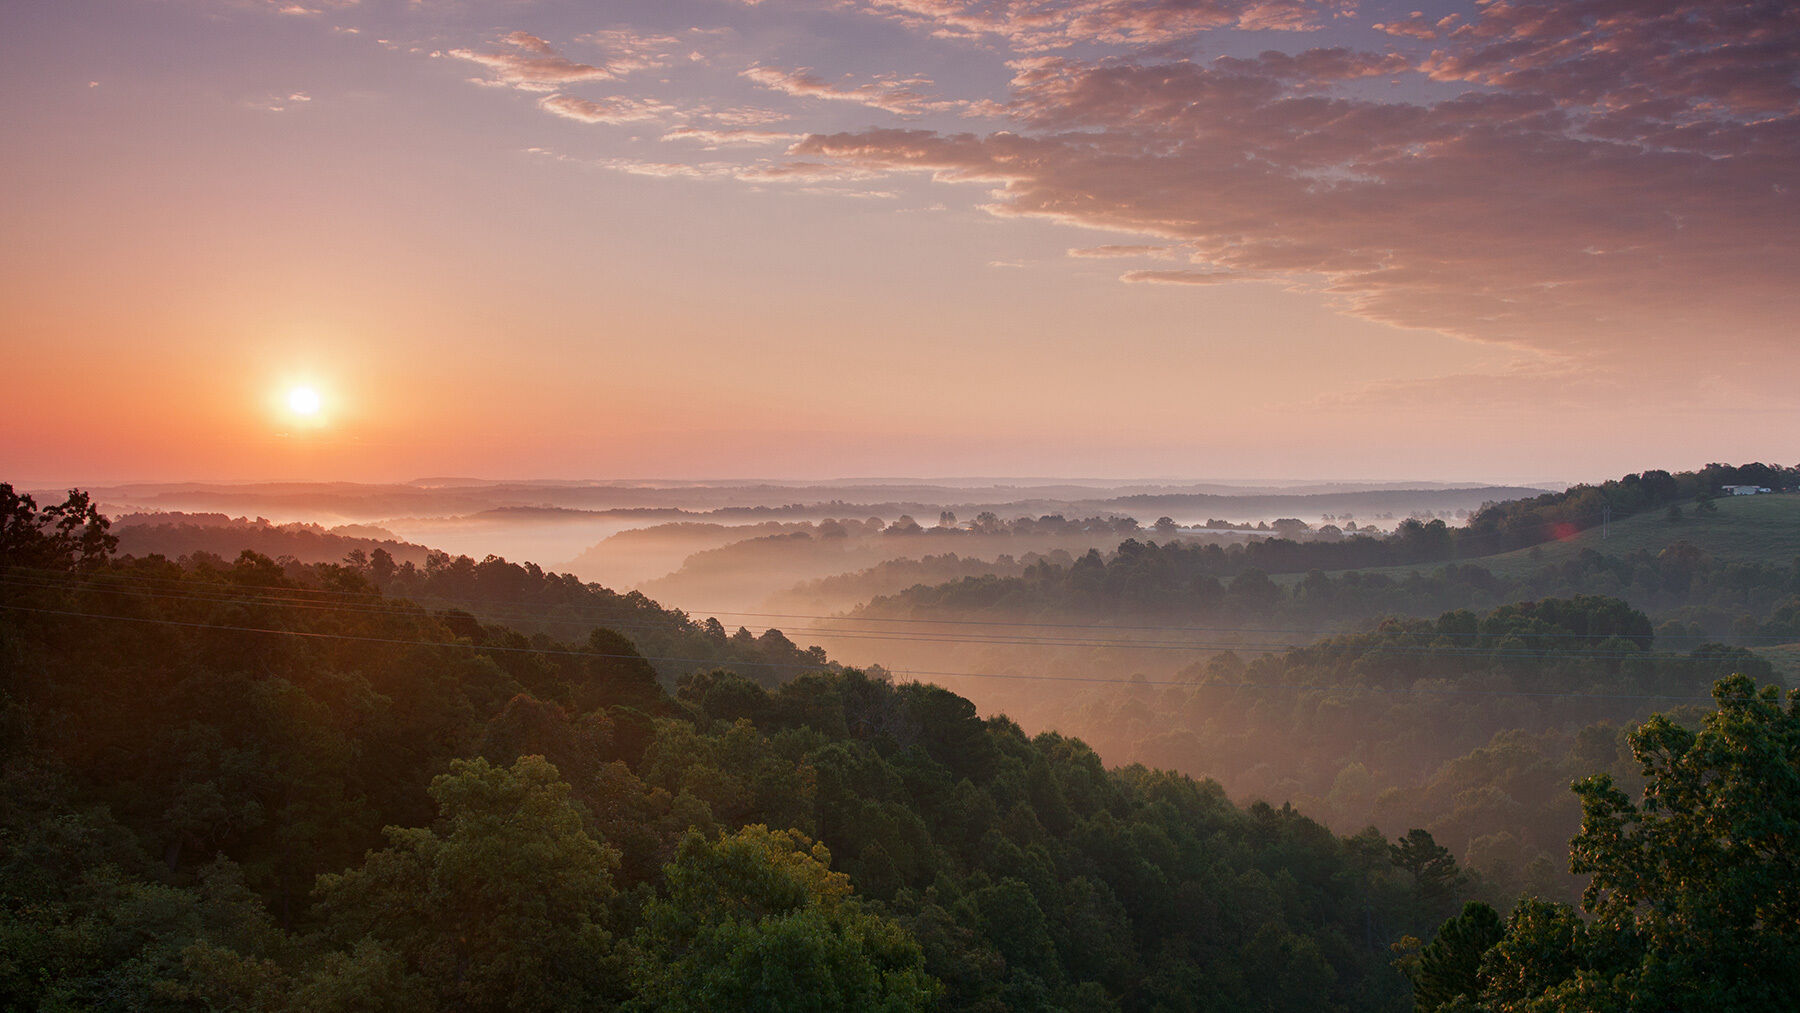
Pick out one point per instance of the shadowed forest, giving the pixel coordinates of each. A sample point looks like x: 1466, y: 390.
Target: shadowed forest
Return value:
x: 888, y: 506
x: 1536, y: 756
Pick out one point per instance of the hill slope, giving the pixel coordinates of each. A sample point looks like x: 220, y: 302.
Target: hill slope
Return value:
x: 1742, y: 529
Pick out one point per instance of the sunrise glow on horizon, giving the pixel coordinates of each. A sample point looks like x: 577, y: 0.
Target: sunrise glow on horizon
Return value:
x: 1112, y: 238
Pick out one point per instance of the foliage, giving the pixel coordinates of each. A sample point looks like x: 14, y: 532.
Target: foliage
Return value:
x: 1694, y: 901
x: 1469, y: 726
x: 1701, y: 882
x: 1446, y: 967
x: 502, y: 905
x: 64, y: 536
x: 184, y: 713
x: 260, y: 785
x: 757, y: 921
x: 176, y: 534
x: 526, y: 597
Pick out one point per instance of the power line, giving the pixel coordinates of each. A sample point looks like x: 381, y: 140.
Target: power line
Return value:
x: 570, y: 613
x: 465, y: 645
x: 400, y: 607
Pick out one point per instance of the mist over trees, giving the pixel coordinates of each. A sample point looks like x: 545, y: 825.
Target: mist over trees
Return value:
x: 380, y: 784
x: 178, y: 534
x: 1692, y: 901
x: 218, y: 795
x: 1468, y: 725
x: 748, y: 574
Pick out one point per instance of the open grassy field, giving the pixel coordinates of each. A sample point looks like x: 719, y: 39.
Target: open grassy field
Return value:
x: 1745, y: 529
x: 1786, y: 659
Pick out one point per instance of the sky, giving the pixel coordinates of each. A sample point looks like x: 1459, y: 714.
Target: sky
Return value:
x: 1501, y: 241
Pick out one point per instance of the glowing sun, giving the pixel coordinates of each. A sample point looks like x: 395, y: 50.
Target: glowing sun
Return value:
x: 303, y: 401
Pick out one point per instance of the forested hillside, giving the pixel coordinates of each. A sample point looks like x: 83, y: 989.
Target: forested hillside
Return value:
x: 746, y: 574
x: 180, y: 534
x: 1178, y: 576
x: 845, y: 591
x: 1471, y: 726
x: 530, y: 599
x: 523, y: 597
x: 1725, y: 570
x: 1682, y: 581
x: 639, y: 554
x: 1692, y: 903
x: 256, y: 785
x: 221, y: 797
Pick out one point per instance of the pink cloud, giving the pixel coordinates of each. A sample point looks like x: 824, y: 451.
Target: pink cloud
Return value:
x: 1122, y: 250
x: 725, y: 137
x: 895, y: 96
x: 802, y: 172
x: 608, y: 110
x: 1608, y: 185
x: 1417, y: 25
x: 740, y: 116
x: 1032, y: 25
x: 627, y: 51
x: 666, y: 170
x: 1180, y: 277
x: 1695, y: 59
x: 533, y: 64
x: 795, y: 173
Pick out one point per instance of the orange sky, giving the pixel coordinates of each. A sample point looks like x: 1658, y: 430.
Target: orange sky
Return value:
x: 693, y: 239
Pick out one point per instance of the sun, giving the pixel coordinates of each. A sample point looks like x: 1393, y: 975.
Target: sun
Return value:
x: 303, y: 401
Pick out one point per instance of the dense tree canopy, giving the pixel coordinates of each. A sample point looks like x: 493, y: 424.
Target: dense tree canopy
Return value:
x: 231, y: 786
x: 260, y: 785
x: 1694, y: 901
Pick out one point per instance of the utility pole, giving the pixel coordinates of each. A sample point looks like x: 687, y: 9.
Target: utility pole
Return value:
x: 1605, y: 518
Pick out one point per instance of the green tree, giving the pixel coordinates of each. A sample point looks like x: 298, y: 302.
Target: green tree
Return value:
x: 758, y: 921
x: 1534, y: 965
x: 1699, y: 886
x: 65, y: 536
x: 501, y: 905
x: 1694, y: 899
x: 1431, y: 865
x: 1446, y: 967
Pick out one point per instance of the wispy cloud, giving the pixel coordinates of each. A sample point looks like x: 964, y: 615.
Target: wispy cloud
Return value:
x: 607, y: 110
x: 710, y: 137
x: 895, y: 96
x: 273, y: 103
x: 809, y: 177
x: 532, y: 64
x: 1036, y: 25
x: 1417, y: 25
x: 1182, y: 277
x: 1115, y: 250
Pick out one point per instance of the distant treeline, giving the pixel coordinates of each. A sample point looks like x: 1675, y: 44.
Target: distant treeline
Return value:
x: 745, y: 574
x: 524, y: 597
x: 528, y: 598
x: 1374, y: 501
x: 892, y: 575
x: 178, y: 534
x: 1514, y: 524
x: 1495, y: 528
x: 1700, y: 597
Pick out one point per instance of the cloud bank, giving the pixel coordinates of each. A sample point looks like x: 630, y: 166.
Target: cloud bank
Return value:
x: 1603, y: 181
